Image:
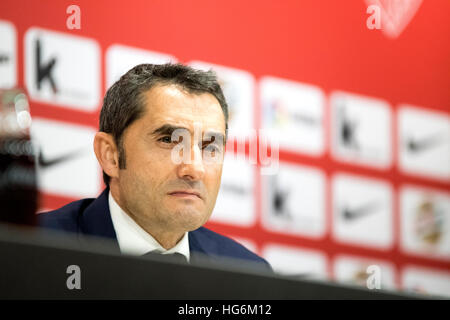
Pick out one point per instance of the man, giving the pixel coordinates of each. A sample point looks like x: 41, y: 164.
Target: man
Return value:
x: 153, y: 201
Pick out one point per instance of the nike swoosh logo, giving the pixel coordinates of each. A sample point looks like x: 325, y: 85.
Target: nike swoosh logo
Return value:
x: 4, y: 58
x: 419, y: 145
x: 353, y: 214
x: 45, y: 163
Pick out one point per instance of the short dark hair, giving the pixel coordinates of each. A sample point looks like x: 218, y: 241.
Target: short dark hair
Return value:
x: 124, y: 101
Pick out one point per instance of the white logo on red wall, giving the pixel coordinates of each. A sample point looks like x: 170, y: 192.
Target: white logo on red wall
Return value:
x: 294, y: 201
x: 67, y: 165
x: 353, y: 270
x: 120, y: 59
x: 425, y: 221
x: 296, y: 261
x: 424, y: 142
x: 362, y: 211
x: 238, y: 88
x: 293, y: 114
x: 235, y: 202
x: 395, y: 14
x: 8, y: 56
x: 426, y: 281
x: 62, y: 69
x: 361, y: 130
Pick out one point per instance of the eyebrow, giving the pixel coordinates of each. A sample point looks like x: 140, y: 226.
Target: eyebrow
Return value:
x: 168, y: 129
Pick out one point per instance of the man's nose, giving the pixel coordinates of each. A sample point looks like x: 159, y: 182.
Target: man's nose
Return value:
x: 193, y: 169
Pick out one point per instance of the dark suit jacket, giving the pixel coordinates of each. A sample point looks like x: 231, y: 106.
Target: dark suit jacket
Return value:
x: 92, y: 217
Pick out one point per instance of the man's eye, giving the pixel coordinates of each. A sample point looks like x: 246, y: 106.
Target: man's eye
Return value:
x: 211, y: 148
x: 165, y: 139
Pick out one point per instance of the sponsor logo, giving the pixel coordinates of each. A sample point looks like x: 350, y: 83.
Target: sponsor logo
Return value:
x: 62, y: 69
x: 361, y: 211
x: 8, y: 68
x: 429, y: 223
x: 293, y: 113
x: 424, y: 140
x: 361, y: 130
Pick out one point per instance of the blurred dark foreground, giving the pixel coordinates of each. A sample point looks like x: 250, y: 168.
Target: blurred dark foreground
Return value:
x: 42, y: 264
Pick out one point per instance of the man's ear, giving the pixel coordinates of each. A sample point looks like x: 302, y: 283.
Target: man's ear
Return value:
x: 107, y: 154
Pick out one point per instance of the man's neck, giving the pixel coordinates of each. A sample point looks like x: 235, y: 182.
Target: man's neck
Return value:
x: 166, y: 239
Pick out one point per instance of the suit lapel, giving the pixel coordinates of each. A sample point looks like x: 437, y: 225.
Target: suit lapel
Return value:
x: 198, y: 249
x: 96, y: 219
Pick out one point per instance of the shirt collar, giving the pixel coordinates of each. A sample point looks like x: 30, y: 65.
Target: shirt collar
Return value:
x: 134, y: 240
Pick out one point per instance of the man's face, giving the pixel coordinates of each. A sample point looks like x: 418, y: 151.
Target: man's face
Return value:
x: 155, y: 190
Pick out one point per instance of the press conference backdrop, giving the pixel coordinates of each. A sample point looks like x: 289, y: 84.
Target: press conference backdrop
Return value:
x: 360, y: 108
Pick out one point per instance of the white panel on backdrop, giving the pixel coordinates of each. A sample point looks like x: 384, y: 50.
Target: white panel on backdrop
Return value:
x: 235, y: 203
x: 120, y: 59
x: 62, y: 69
x: 238, y: 87
x: 362, y: 211
x: 295, y: 261
x: 293, y: 114
x: 426, y: 281
x: 294, y: 201
x: 361, y: 130
x: 8, y: 55
x: 67, y: 163
x: 425, y: 221
x: 424, y: 142
x: 354, y: 270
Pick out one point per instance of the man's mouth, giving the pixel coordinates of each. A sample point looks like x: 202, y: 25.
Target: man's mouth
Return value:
x: 186, y: 194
